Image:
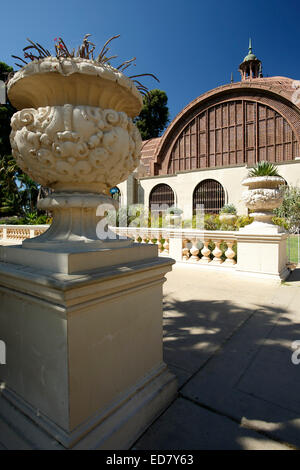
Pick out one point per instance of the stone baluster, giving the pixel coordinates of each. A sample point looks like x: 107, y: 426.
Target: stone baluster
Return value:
x: 166, y: 246
x: 123, y: 233
x: 205, y: 253
x: 160, y: 245
x: 194, y: 250
x: 145, y: 238
x: 229, y: 253
x: 126, y: 234
x: 217, y: 252
x: 185, y: 250
x: 10, y: 233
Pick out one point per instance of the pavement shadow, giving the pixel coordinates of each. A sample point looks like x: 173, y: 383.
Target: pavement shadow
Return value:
x: 237, y: 361
x: 194, y: 330
x: 294, y: 276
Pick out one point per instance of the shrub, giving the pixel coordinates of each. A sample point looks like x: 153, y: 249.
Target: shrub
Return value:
x: 281, y: 222
x: 290, y: 207
x: 212, y: 222
x: 228, y: 209
x: 10, y: 221
x: 242, y: 221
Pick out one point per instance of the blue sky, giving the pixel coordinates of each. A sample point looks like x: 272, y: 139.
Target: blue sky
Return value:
x: 191, y: 46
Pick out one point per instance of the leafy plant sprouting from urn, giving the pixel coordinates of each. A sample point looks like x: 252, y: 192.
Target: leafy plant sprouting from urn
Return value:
x: 263, y: 169
x: 86, y: 51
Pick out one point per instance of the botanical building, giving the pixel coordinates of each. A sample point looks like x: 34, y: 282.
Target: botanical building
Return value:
x: 207, y: 149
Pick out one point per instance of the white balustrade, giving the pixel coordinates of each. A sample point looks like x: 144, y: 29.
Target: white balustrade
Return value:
x: 185, y: 245
x: 18, y: 233
x: 207, y: 248
x: 203, y: 247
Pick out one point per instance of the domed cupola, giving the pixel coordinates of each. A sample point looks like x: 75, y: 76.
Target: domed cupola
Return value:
x: 251, y: 66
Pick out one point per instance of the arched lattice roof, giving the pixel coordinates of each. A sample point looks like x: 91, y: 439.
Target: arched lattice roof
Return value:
x: 231, y: 133
x: 235, y: 124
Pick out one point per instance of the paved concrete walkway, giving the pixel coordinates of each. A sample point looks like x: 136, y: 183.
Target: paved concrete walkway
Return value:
x: 229, y: 341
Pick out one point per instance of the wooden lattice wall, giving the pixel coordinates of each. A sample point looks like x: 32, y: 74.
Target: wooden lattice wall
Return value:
x: 232, y: 133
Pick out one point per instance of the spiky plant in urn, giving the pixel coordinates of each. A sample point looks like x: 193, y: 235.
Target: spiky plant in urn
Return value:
x: 228, y: 214
x: 74, y: 133
x: 263, y: 196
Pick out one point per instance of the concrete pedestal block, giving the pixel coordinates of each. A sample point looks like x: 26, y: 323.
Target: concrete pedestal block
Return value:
x: 262, y: 254
x: 84, y: 350
x: 175, y: 248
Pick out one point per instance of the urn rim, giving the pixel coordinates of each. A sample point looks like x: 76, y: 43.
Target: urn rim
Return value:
x: 263, y: 179
x: 88, y: 83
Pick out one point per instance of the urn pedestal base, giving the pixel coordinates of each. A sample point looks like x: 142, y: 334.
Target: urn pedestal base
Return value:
x: 262, y: 254
x: 259, y: 226
x: 84, y: 346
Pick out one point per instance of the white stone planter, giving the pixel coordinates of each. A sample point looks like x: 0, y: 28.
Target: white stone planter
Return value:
x: 74, y: 133
x: 175, y: 219
x: 263, y: 196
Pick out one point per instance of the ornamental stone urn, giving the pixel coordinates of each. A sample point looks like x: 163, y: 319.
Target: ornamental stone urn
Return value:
x: 80, y: 309
x: 262, y: 197
x: 74, y: 133
x: 261, y: 245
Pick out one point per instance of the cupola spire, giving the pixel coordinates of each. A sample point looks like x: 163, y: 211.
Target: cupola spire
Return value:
x: 251, y: 66
x: 250, y: 46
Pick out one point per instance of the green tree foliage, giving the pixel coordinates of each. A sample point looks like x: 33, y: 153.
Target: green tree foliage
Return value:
x: 154, y: 116
x: 18, y: 193
x: 290, y: 207
x: 6, y: 112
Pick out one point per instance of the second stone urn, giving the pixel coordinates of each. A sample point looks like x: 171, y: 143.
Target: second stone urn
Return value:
x: 262, y: 197
x: 74, y: 133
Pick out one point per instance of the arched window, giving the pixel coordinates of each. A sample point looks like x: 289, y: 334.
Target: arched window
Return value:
x: 211, y: 194
x: 161, y: 194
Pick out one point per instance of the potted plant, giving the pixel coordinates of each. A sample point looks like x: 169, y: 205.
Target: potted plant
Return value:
x: 74, y: 132
x: 228, y: 214
x: 173, y: 217
x: 263, y: 194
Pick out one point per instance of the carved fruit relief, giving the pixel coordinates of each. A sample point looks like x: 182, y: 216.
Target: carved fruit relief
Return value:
x: 75, y: 147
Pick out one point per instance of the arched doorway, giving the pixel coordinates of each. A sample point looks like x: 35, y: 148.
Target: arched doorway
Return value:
x: 211, y: 194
